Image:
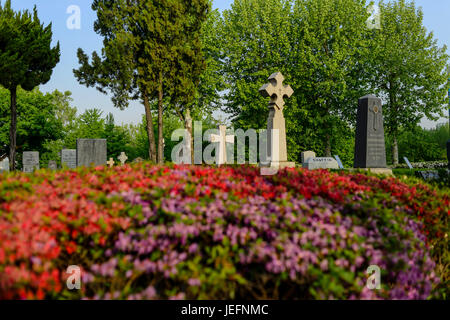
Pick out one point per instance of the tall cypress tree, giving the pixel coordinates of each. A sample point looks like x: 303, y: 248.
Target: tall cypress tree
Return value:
x: 26, y: 58
x: 150, y: 51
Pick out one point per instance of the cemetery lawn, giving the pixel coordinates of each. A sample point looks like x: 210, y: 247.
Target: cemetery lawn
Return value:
x: 192, y: 232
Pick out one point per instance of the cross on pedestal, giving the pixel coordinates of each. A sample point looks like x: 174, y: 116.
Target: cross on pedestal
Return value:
x: 122, y: 158
x: 276, y: 124
x: 222, y: 139
x: 110, y: 162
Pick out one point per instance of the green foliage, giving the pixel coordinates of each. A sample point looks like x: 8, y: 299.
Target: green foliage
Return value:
x: 27, y: 59
x: 38, y: 125
x: 420, y: 145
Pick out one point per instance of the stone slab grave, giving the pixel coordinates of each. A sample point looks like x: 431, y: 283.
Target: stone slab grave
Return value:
x: 91, y: 152
x: 321, y: 163
x: 69, y: 158
x: 52, y: 165
x: 276, y: 124
x: 408, y: 163
x: 222, y: 139
x: 4, y: 165
x: 305, y: 155
x: 370, y: 147
x: 30, y: 161
x: 341, y: 166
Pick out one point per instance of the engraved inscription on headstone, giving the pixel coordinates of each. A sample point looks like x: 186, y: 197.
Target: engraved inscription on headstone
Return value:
x: 30, y: 160
x: 370, y: 148
x: 69, y: 158
x: 321, y: 163
x: 91, y: 152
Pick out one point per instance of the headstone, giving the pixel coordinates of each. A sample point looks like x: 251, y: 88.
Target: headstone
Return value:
x: 4, y: 165
x: 52, y: 165
x: 370, y: 148
x: 408, y: 163
x: 138, y: 160
x: 30, y: 160
x: 91, y: 152
x: 321, y: 163
x: 305, y: 155
x: 427, y: 175
x: 122, y: 158
x: 110, y: 162
x: 222, y: 139
x: 341, y: 166
x: 276, y: 124
x: 69, y: 158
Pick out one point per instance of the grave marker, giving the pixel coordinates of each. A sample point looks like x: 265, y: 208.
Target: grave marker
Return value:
x: 321, y: 163
x: 305, y: 155
x: 122, y: 158
x: 222, y: 139
x: 110, y: 162
x: 408, y: 163
x: 69, y: 158
x: 276, y: 124
x: 91, y: 152
x: 341, y: 166
x: 370, y: 148
x: 30, y: 160
x: 52, y: 165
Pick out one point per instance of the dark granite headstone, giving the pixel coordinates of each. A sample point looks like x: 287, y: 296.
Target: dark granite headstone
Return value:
x: 448, y: 153
x: 30, y: 161
x: 69, y: 158
x: 91, y: 152
x: 370, y: 148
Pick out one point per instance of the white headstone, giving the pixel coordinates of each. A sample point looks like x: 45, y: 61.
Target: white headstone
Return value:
x: 321, y: 163
x: 4, y: 165
x: 306, y: 155
x: 222, y: 139
x: 341, y: 166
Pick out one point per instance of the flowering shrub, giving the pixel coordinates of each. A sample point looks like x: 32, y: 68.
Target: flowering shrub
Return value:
x: 152, y: 232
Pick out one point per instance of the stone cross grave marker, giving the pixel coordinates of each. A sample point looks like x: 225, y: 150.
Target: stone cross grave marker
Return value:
x: 69, y: 158
x: 276, y: 124
x: 91, y: 152
x: 222, y: 139
x: 110, y: 162
x: 408, y: 163
x: 30, y: 161
x: 370, y: 148
x: 122, y: 158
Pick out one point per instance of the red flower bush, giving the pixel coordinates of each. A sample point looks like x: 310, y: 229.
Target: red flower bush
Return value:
x: 150, y: 232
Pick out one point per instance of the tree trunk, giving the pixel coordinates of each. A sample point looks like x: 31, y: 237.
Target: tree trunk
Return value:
x: 395, y: 151
x: 160, y: 121
x: 188, y: 126
x: 13, y: 131
x: 328, y: 146
x: 150, y: 131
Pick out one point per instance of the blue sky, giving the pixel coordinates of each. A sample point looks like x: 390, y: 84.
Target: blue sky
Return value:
x: 436, y: 19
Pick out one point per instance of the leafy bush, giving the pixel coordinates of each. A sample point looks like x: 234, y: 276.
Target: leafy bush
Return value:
x: 151, y: 232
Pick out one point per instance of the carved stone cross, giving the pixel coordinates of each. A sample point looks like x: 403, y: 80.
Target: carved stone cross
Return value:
x: 276, y: 124
x: 110, y: 162
x: 376, y: 112
x: 122, y: 158
x: 222, y: 139
x: 276, y: 90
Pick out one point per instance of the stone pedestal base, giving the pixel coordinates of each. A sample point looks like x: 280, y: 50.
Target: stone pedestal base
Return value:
x: 280, y: 165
